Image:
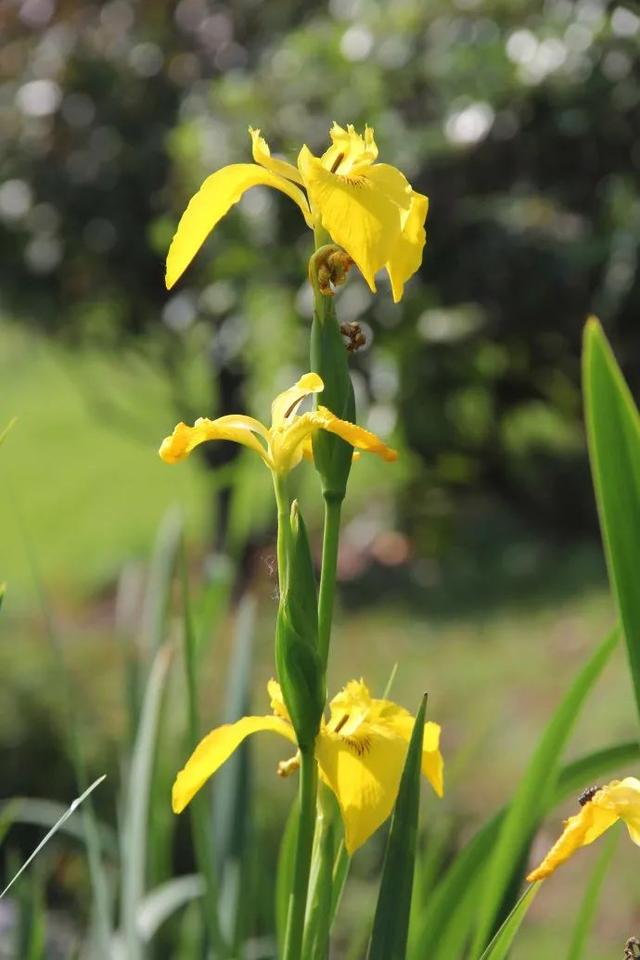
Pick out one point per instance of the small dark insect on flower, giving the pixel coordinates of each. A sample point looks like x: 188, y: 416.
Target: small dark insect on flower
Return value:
x: 632, y: 949
x: 588, y: 795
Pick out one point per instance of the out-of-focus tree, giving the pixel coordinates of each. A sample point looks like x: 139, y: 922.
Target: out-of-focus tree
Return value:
x: 520, y: 121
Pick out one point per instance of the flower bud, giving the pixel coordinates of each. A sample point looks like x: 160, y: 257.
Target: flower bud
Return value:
x: 297, y: 658
x: 331, y: 455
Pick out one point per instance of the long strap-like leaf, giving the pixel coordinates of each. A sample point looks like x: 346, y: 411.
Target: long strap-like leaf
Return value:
x: 613, y: 428
x: 391, y: 922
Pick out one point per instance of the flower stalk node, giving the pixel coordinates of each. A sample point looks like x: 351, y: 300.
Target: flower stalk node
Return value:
x: 354, y: 337
x: 328, y: 268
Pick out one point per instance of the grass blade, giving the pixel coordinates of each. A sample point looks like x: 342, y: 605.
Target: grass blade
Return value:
x: 284, y: 875
x: 533, y: 795
x: 586, y: 913
x: 161, y: 903
x: 135, y: 821
x: 68, y: 813
x: 391, y: 921
x: 501, y: 943
x: 613, y: 429
x: 453, y: 903
x: 199, y: 808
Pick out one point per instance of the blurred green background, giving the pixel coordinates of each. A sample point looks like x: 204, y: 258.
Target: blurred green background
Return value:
x: 475, y: 561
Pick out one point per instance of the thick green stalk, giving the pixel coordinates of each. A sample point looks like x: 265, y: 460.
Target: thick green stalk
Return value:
x: 330, y: 542
x: 307, y: 791
x: 282, y: 501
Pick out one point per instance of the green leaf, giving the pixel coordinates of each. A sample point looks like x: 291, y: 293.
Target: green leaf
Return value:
x: 135, y: 822
x: 160, y: 904
x: 54, y: 829
x: 533, y: 795
x: 586, y: 913
x: 501, y: 943
x: 391, y: 921
x: 201, y: 821
x: 454, y: 902
x: 318, y: 919
x: 284, y: 874
x: 613, y: 429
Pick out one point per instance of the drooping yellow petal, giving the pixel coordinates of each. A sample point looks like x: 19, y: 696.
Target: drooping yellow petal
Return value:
x: 579, y: 831
x: 432, y: 761
x: 213, y: 200
x: 364, y: 774
x: 623, y: 797
x: 358, y: 214
x: 406, y: 255
x: 235, y: 427
x: 287, y: 402
x: 357, y: 436
x: 262, y: 155
x: 217, y: 747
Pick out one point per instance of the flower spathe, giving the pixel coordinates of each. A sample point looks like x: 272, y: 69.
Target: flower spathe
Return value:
x: 282, y: 445
x: 369, y: 209
x: 360, y: 752
x: 618, y: 800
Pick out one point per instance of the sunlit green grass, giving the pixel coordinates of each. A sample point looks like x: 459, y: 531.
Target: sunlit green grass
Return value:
x: 80, y: 479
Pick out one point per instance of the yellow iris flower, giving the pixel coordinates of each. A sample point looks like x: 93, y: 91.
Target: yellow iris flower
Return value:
x: 360, y: 752
x: 286, y: 441
x: 369, y: 209
x: 601, y: 808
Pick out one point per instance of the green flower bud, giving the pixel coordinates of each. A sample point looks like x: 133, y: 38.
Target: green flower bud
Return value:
x: 332, y: 456
x: 297, y: 659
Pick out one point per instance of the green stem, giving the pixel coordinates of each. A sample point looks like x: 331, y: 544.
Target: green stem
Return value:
x: 304, y: 844
x: 330, y: 542
x: 282, y: 501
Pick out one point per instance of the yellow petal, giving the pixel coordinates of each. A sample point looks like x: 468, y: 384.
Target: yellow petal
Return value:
x: 623, y: 797
x: 349, y: 148
x: 357, y: 436
x: 406, y: 255
x: 361, y: 214
x: 217, y: 747
x: 262, y: 155
x: 215, y: 197
x: 432, y: 760
x: 580, y: 830
x: 364, y: 775
x: 238, y: 428
x: 287, y: 402
x: 277, y: 700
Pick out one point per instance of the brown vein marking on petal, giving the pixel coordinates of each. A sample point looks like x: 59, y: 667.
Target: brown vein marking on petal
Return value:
x: 360, y: 745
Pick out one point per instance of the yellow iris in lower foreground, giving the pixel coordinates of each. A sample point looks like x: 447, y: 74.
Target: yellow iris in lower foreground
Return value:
x: 601, y: 808
x: 282, y: 445
x: 360, y: 752
x: 367, y: 208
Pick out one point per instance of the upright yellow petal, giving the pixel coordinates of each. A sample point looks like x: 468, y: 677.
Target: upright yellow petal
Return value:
x: 357, y: 436
x: 357, y: 214
x: 406, y: 255
x: 349, y: 148
x: 217, y: 747
x: 364, y: 775
x: 580, y: 830
x: 262, y: 155
x: 215, y: 197
x: 238, y: 428
x: 287, y: 402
